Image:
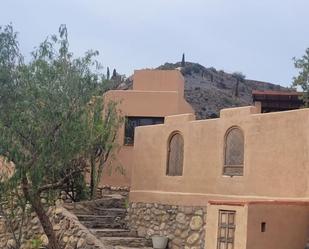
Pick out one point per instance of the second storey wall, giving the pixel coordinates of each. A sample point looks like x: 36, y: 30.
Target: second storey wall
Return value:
x: 137, y: 104
x: 275, y: 158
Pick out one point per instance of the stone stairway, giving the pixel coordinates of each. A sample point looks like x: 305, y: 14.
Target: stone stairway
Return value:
x: 105, y: 218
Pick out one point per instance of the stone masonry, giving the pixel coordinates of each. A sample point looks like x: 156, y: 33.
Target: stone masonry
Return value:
x: 69, y: 231
x: 183, y: 225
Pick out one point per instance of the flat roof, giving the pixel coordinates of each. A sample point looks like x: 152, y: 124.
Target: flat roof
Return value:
x: 278, y: 100
x: 276, y: 93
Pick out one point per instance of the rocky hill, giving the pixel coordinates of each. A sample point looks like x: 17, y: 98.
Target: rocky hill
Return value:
x: 209, y: 90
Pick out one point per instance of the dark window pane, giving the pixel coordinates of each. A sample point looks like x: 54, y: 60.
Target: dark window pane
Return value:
x: 132, y: 122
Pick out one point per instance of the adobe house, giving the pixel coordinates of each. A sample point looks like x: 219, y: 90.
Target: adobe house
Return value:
x: 155, y: 95
x: 236, y: 182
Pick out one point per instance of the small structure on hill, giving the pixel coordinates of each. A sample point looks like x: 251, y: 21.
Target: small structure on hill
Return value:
x: 274, y: 101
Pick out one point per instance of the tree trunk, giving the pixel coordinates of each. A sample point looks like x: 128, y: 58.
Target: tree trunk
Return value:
x: 36, y: 204
x: 93, y: 190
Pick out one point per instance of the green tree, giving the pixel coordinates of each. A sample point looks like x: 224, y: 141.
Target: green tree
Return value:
x: 47, y: 122
x: 302, y: 79
x: 103, y: 135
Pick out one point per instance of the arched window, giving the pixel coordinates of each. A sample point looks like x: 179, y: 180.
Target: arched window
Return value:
x: 175, y: 155
x: 234, y: 152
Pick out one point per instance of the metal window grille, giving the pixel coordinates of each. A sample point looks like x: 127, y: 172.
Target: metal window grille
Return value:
x: 175, y: 155
x: 226, y: 229
x: 234, y: 153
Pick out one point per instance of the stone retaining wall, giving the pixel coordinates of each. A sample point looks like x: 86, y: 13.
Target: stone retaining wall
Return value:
x: 184, y: 226
x: 69, y: 231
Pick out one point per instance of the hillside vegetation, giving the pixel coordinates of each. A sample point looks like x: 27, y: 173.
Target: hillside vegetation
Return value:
x: 209, y: 90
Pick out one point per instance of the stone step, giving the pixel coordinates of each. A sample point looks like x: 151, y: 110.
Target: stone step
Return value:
x: 93, y: 217
x: 104, y: 211
x: 97, y: 225
x: 125, y: 247
x: 106, y: 192
x: 111, y: 211
x: 111, y: 203
x: 94, y: 207
x: 127, y: 241
x: 92, y: 221
x: 113, y: 232
x: 115, y: 196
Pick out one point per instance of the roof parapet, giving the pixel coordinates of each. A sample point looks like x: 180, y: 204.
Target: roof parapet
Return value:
x: 175, y: 119
x: 158, y: 80
x: 239, y: 111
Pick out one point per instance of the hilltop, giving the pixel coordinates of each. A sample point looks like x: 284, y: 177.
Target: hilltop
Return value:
x: 209, y: 90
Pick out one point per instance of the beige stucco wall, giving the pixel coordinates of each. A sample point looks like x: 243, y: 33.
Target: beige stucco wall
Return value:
x: 240, y: 236
x: 156, y: 93
x: 286, y: 226
x: 158, y: 80
x: 275, y: 161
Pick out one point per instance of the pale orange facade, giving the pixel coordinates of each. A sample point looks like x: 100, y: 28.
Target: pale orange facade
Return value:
x: 273, y: 190
x: 155, y: 93
x: 259, y: 181
x: 261, y: 224
x: 275, y: 154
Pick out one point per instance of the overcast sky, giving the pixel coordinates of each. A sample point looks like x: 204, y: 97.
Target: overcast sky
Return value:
x: 256, y: 37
